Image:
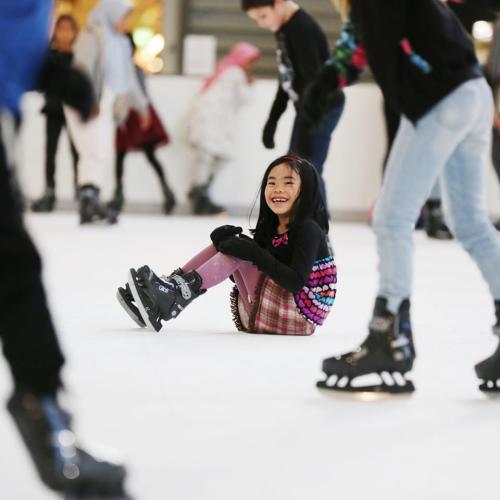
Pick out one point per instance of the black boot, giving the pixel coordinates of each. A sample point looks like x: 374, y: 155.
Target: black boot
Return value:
x: 489, y: 369
x: 46, y: 203
x: 116, y: 203
x: 388, y: 351
x: 202, y: 204
x: 92, y: 209
x: 169, y: 200
x: 126, y: 300
x: 497, y: 225
x: 163, y: 299
x: 433, y: 220
x: 61, y: 464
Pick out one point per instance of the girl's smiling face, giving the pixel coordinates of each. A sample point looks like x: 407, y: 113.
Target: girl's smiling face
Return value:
x: 282, y: 190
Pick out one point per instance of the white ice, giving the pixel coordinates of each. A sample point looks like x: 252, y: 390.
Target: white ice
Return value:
x: 201, y: 412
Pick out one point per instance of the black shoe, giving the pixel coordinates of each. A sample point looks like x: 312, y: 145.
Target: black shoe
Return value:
x: 162, y: 299
x: 61, y: 464
x: 202, y: 204
x: 388, y: 351
x: 433, y: 221
x: 489, y: 369
x: 126, y: 300
x: 46, y: 203
x: 116, y: 203
x: 497, y: 225
x: 169, y: 200
x: 92, y: 209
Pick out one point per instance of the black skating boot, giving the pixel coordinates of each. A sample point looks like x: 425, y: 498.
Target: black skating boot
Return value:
x: 126, y: 300
x: 202, y: 204
x: 388, y: 351
x: 489, y: 369
x: 433, y: 220
x: 116, y: 203
x: 169, y: 200
x: 61, y: 464
x: 92, y: 209
x: 46, y: 203
x: 163, y: 299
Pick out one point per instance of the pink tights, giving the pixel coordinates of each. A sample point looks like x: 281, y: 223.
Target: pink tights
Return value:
x: 214, y: 267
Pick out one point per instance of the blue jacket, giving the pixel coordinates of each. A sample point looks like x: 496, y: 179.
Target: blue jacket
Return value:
x: 24, y: 25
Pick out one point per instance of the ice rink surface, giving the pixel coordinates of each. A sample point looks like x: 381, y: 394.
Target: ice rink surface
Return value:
x: 201, y: 412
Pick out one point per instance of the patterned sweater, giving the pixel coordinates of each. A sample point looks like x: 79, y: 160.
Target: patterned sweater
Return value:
x: 301, y: 261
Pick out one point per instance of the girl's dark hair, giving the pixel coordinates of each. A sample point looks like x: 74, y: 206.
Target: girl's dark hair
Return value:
x: 68, y: 18
x: 254, y: 4
x: 309, y: 204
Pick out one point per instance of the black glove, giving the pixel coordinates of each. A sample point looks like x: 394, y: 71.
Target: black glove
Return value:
x: 320, y: 96
x: 268, y: 133
x: 68, y: 84
x: 219, y: 234
x: 241, y: 248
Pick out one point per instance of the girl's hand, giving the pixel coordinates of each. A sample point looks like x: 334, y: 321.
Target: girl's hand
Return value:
x: 219, y: 234
x: 241, y: 248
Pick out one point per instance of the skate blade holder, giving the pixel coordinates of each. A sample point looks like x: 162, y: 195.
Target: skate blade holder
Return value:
x: 388, y: 384
x: 491, y: 387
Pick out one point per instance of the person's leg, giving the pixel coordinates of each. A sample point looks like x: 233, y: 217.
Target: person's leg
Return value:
x: 246, y: 278
x: 495, y: 151
x: 205, y: 166
x: 417, y: 157
x: 465, y: 195
x: 169, y: 203
x: 392, y: 121
x: 119, y: 168
x: 54, y: 127
x: 320, y: 141
x: 200, y: 258
x: 28, y: 336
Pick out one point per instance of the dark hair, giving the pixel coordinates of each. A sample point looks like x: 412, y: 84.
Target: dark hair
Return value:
x: 254, y: 4
x: 68, y: 18
x: 309, y: 204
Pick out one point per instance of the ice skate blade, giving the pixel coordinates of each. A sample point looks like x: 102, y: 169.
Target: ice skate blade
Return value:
x: 136, y: 318
x: 95, y: 497
x: 369, y: 392
x: 490, y: 387
x: 137, y: 299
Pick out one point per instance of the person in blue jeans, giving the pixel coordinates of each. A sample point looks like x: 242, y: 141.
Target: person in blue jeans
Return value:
x: 424, y: 62
x: 302, y: 49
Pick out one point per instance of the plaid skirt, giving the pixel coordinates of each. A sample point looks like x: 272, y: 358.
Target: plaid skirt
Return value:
x: 274, y: 311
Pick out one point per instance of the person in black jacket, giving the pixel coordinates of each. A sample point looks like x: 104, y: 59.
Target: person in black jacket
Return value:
x: 302, y: 51
x: 285, y: 276
x: 29, y: 341
x: 65, y: 33
x: 424, y: 62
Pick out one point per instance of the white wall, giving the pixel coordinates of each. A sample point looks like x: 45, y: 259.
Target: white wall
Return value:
x: 353, y: 168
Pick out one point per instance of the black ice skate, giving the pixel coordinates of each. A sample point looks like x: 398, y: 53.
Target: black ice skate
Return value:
x: 92, y: 209
x: 489, y: 369
x: 126, y: 300
x: 388, y: 351
x: 433, y: 220
x: 162, y: 299
x: 61, y: 464
x: 46, y: 202
x: 202, y: 204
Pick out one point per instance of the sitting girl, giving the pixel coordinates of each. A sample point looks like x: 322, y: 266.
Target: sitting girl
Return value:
x: 285, y: 275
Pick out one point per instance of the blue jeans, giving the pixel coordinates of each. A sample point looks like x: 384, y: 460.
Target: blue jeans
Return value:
x: 314, y: 145
x: 450, y: 144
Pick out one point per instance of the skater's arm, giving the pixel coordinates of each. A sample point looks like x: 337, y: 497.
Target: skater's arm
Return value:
x: 277, y: 109
x: 291, y: 277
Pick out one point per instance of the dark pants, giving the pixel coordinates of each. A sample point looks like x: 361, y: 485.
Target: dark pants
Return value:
x: 149, y: 151
x: 314, y: 145
x: 54, y: 126
x: 29, y: 341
